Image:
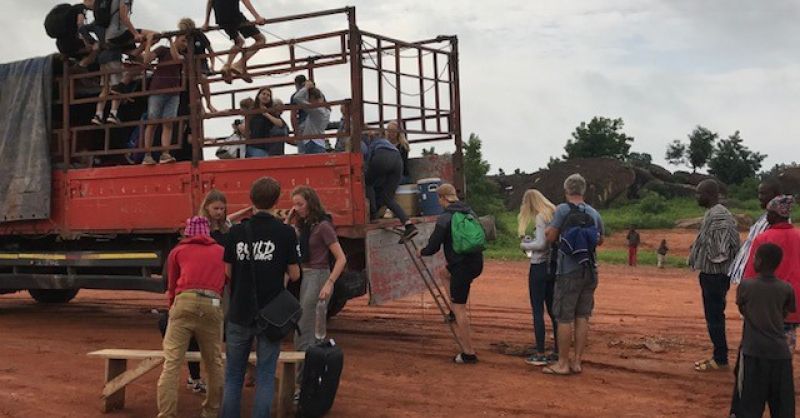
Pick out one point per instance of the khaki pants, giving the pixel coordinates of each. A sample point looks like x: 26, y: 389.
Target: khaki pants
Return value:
x: 661, y: 259
x: 201, y: 317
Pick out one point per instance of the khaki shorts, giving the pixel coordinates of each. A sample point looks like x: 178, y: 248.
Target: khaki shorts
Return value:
x: 574, y: 295
x: 114, y: 78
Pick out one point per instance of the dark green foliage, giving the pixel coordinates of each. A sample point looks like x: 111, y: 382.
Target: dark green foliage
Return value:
x: 676, y: 153
x: 602, y: 137
x: 483, y: 194
x: 746, y: 190
x: 776, y: 170
x: 653, y: 204
x: 733, y: 162
x: 640, y: 159
x: 701, y: 147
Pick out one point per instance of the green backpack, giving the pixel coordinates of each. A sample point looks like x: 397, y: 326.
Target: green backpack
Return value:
x: 467, y: 232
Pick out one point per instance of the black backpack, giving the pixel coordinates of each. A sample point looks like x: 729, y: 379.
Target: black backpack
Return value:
x: 102, y: 12
x: 578, y: 231
x: 55, y: 23
x: 320, y: 381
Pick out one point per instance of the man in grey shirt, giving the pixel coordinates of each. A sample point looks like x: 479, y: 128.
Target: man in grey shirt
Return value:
x: 573, y: 299
x: 316, y: 121
x: 712, y: 254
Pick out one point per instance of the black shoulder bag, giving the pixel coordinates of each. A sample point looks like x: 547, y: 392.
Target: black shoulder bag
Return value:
x: 280, y: 315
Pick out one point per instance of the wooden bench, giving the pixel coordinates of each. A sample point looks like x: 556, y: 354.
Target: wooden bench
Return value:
x: 118, y: 376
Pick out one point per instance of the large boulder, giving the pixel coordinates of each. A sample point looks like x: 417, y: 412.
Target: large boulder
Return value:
x: 660, y: 173
x: 607, y: 178
x: 790, y: 180
x: 669, y: 190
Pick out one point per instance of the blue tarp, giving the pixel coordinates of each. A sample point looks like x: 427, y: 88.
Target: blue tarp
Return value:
x: 25, y: 104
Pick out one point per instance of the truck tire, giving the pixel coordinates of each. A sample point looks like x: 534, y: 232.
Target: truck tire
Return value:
x: 53, y: 295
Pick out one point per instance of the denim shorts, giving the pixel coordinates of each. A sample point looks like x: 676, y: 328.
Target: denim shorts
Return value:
x: 162, y: 106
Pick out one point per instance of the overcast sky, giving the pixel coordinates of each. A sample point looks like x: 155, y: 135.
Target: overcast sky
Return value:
x: 532, y: 70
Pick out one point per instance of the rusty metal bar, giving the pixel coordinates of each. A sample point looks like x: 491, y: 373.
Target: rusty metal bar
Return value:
x: 421, y: 88
x: 65, y: 94
x: 356, y: 83
x: 399, y: 94
x: 434, y: 139
x: 128, y: 124
x: 436, y: 88
x: 285, y: 70
x: 290, y: 42
x: 248, y: 89
x: 239, y: 112
x: 398, y: 42
x: 134, y: 95
x: 215, y: 142
x: 380, y: 85
x: 401, y: 106
x: 455, y: 120
x: 195, y: 104
x: 367, y: 67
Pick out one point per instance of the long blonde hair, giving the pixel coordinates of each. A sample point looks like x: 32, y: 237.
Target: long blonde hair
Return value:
x: 399, y: 139
x: 533, y: 204
x: 213, y: 196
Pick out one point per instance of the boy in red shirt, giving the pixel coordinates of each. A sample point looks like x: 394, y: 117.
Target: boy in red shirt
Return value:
x: 783, y: 234
x: 196, y: 277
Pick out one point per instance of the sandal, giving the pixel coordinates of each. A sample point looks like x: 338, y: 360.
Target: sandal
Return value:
x: 552, y: 371
x: 226, y: 74
x: 241, y: 73
x: 463, y: 358
x: 710, y: 366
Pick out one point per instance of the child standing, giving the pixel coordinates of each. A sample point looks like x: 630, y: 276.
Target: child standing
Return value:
x: 661, y: 253
x: 764, y: 369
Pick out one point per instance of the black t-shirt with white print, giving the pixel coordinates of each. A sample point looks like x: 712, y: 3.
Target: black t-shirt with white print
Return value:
x: 274, y: 247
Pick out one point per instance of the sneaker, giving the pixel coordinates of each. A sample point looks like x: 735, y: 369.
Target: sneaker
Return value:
x: 451, y: 317
x: 463, y: 358
x: 112, y: 118
x: 409, y: 233
x: 148, y: 160
x: 97, y: 120
x: 538, y: 359
x: 166, y: 158
x: 197, y: 386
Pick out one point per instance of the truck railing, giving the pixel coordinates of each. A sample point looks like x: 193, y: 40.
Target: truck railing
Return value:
x: 414, y: 83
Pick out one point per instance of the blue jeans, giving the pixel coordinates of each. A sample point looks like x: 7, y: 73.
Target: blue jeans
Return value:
x: 311, y: 147
x: 541, y: 285
x: 715, y: 288
x: 239, y: 339
x: 255, y: 152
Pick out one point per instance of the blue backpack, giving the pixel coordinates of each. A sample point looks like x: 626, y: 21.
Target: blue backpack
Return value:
x: 579, y: 236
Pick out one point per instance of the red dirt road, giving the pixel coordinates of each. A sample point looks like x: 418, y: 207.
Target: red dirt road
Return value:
x: 397, y: 357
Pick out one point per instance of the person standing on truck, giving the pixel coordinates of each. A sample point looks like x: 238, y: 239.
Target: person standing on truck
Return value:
x: 200, y: 46
x: 231, y: 20
x: 195, y: 277
x: 319, y: 244
x: 66, y: 24
x: 167, y: 75
x: 266, y: 124
x: 317, y: 119
x: 398, y: 138
x: 462, y: 269
x: 384, y: 170
x: 257, y: 266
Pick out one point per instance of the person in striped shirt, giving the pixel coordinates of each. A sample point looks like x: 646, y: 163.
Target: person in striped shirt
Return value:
x: 712, y: 254
x: 767, y: 190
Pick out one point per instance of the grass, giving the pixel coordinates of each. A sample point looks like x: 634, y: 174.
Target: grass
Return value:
x: 648, y: 213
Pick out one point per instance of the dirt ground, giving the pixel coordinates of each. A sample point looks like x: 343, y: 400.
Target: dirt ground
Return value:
x: 397, y: 357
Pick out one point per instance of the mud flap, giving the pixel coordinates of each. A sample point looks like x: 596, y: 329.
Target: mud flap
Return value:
x: 390, y: 270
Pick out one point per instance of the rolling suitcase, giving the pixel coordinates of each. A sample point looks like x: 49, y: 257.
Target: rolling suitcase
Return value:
x: 321, y: 373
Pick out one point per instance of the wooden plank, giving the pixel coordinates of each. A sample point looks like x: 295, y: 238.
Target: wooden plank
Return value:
x: 285, y: 356
x: 286, y: 383
x: 129, y: 376
x: 114, y: 368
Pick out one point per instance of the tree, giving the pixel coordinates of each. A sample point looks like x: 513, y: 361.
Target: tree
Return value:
x: 640, y: 159
x: 484, y: 194
x: 701, y: 147
x: 733, y: 162
x: 602, y: 137
x: 676, y: 153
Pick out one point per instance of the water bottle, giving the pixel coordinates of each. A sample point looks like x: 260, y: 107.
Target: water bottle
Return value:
x: 322, y: 317
x: 527, y: 239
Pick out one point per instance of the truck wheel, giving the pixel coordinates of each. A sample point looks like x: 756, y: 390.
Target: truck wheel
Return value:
x: 53, y: 295
x: 336, y: 304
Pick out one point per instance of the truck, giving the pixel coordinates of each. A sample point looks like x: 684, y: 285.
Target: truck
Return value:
x: 76, y: 215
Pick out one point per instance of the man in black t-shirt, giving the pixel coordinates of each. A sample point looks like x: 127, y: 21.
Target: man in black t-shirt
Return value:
x: 764, y: 366
x: 273, y: 253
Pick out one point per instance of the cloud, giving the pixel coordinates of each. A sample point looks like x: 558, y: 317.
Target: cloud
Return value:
x: 532, y: 71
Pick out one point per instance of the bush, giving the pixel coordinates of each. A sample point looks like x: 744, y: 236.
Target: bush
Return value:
x: 653, y: 204
x: 746, y: 190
